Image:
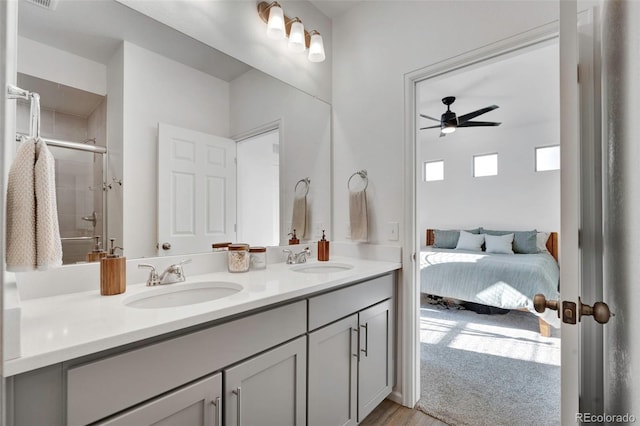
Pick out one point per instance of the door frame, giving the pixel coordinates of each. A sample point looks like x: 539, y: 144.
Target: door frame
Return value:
x: 409, y: 338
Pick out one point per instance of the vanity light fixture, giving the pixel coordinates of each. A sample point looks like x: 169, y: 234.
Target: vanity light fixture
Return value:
x: 275, y: 21
x: 316, y: 47
x: 297, y: 38
x: 280, y: 25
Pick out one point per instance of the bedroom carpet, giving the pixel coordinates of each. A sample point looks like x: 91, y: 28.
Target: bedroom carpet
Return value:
x: 488, y: 369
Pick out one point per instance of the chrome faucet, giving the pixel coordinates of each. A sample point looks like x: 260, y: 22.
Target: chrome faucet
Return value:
x: 173, y: 274
x: 301, y: 257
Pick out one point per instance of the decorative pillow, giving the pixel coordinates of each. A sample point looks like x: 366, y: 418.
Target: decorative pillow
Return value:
x: 445, y: 238
x: 498, y: 243
x: 448, y: 238
x: 541, y: 242
x: 469, y: 241
x: 523, y: 241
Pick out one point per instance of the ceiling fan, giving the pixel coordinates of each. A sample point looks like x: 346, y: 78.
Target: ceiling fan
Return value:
x: 449, y: 122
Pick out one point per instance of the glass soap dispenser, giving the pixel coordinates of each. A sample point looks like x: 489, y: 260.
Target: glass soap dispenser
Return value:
x: 113, y: 272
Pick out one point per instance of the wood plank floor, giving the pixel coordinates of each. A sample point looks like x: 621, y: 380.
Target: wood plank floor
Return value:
x: 390, y: 413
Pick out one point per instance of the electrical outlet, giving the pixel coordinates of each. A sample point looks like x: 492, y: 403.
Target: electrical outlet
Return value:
x: 393, y: 230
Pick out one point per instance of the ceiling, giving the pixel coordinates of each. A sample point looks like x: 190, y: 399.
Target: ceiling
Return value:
x: 334, y: 8
x: 524, y: 84
x: 94, y: 30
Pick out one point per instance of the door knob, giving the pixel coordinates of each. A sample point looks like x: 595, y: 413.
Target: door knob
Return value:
x: 600, y: 310
x: 166, y: 246
x: 540, y: 303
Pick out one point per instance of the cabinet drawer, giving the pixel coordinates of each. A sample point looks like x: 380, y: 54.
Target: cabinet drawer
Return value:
x: 104, y: 387
x: 337, y: 304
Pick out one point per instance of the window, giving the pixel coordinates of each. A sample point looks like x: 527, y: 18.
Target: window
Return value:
x: 547, y: 158
x: 433, y: 170
x: 485, y: 165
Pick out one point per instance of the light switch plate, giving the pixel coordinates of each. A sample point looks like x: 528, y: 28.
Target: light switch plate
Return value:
x: 393, y: 228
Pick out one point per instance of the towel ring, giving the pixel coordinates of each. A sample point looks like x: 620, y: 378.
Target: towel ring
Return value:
x: 363, y: 175
x: 307, y: 182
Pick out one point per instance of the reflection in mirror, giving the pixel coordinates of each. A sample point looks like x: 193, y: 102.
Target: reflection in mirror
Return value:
x: 151, y: 74
x: 73, y: 121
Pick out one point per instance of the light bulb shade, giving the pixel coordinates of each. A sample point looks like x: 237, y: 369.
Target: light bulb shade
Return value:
x: 448, y: 128
x: 297, y: 42
x: 316, y: 48
x: 275, y: 24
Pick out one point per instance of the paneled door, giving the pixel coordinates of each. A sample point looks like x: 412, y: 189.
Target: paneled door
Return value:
x: 196, y: 190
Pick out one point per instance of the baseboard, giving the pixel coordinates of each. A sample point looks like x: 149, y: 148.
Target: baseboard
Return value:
x: 396, y: 397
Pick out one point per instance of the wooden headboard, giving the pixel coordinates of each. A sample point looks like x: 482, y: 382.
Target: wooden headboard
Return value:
x: 552, y: 242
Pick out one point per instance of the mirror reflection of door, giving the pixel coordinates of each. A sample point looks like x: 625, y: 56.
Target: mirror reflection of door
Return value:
x: 196, y: 190
x: 258, y: 191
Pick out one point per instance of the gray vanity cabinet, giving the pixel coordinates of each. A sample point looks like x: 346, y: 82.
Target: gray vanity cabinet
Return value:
x: 268, y: 389
x: 351, y: 362
x: 197, y: 404
x: 375, y: 366
x: 333, y: 369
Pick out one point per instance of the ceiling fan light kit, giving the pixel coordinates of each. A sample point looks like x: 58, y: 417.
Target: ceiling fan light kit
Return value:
x: 449, y: 121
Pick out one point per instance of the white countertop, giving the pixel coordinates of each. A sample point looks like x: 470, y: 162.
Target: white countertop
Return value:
x: 64, y: 327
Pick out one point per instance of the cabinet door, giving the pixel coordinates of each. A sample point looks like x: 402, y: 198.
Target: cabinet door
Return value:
x: 375, y: 370
x: 197, y: 404
x: 333, y: 367
x: 268, y: 389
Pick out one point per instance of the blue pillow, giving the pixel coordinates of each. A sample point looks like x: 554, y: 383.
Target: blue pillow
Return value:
x: 524, y: 242
x: 449, y: 238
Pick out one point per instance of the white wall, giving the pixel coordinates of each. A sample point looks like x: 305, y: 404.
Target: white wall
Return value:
x: 37, y: 59
x: 368, y: 85
x: 518, y: 198
x: 302, y: 119
x: 158, y: 89
x: 235, y: 28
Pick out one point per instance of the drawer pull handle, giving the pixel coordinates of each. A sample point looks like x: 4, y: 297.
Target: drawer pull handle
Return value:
x: 366, y: 339
x: 236, y: 392
x: 218, y: 416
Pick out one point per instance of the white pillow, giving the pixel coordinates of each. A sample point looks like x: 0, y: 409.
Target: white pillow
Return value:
x: 469, y: 241
x: 541, y: 242
x: 499, y: 243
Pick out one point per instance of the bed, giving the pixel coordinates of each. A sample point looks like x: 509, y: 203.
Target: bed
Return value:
x: 507, y: 281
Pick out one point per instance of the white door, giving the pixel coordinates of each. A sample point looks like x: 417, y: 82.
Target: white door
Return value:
x: 196, y: 190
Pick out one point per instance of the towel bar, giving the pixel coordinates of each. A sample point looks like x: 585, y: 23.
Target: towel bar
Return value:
x: 363, y: 175
x: 307, y: 182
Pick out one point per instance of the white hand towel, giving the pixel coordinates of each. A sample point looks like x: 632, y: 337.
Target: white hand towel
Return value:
x: 358, y: 215
x: 48, y: 243
x: 299, y: 220
x: 21, y: 210
x: 33, y: 235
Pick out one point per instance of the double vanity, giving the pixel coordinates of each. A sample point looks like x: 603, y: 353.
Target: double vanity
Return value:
x: 306, y: 344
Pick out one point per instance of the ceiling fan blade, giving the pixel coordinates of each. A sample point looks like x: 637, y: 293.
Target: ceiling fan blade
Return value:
x: 474, y: 114
x: 430, y: 127
x: 478, y: 124
x: 430, y: 118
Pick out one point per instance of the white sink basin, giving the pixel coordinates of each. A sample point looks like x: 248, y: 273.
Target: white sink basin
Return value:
x: 321, y: 267
x: 172, y: 295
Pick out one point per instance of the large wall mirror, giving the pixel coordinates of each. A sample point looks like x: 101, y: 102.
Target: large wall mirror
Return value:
x: 137, y: 75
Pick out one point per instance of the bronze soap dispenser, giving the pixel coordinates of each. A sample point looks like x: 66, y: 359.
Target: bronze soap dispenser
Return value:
x: 113, y: 272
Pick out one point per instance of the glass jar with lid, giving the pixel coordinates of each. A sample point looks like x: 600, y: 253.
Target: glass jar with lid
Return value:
x: 220, y: 246
x: 258, y: 257
x: 238, y: 257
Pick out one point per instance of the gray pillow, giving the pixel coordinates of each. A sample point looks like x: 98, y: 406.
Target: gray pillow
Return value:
x: 524, y: 242
x: 443, y: 238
